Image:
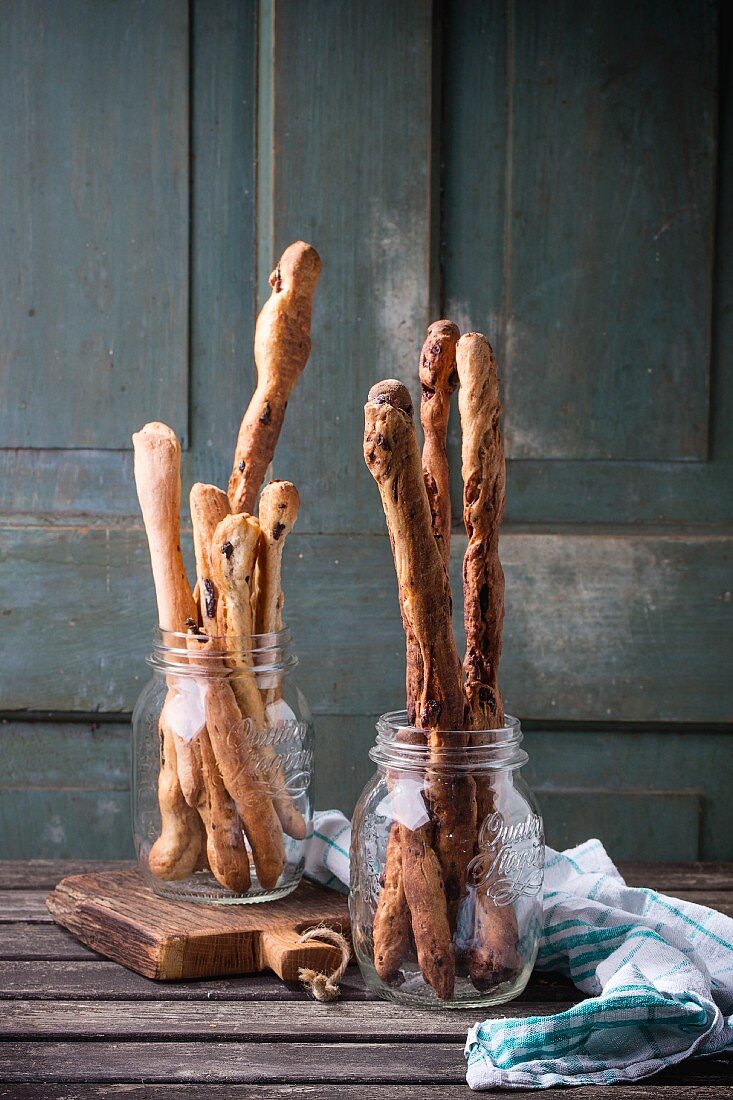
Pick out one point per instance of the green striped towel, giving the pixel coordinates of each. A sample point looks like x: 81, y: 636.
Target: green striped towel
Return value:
x: 659, y: 973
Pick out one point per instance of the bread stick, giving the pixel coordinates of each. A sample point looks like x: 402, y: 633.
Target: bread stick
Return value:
x: 158, y: 481
x: 438, y: 380
x: 393, y: 458
x: 234, y: 723
x: 493, y: 957
x: 281, y: 349
x: 392, y: 924
x: 228, y: 858
x: 279, y: 505
x: 176, y: 852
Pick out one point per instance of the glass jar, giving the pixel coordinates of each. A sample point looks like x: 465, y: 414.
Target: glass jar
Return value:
x: 222, y: 769
x: 447, y: 863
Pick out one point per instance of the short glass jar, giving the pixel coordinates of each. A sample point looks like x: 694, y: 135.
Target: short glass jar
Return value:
x: 463, y: 817
x: 222, y: 769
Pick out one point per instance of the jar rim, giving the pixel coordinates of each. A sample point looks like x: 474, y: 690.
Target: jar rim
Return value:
x: 221, y: 654
x: 403, y: 745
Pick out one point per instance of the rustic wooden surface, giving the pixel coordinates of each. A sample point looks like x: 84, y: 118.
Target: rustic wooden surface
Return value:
x: 119, y: 915
x: 75, y: 1026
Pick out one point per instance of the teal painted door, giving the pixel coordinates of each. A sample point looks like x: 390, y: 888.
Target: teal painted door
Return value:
x: 558, y: 176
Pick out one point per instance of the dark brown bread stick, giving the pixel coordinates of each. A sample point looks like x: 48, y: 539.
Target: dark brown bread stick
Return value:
x: 282, y: 347
x: 392, y: 924
x: 493, y: 956
x: 438, y: 380
x: 484, y: 490
x: 393, y: 458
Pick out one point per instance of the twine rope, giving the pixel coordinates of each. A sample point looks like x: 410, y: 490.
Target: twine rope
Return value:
x: 325, y: 987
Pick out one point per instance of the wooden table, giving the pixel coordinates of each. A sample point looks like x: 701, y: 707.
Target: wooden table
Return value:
x: 74, y: 1025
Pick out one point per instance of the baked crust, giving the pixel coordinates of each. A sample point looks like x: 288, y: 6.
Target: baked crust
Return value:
x: 281, y: 349
x: 493, y: 956
x: 392, y: 455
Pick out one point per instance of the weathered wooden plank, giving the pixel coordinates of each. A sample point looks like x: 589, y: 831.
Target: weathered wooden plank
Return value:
x: 722, y: 403
x: 641, y: 1091
x: 654, y: 759
x: 646, y: 824
x: 638, y: 492
x: 369, y: 1021
x: 612, y: 626
x: 42, y: 874
x: 223, y: 44
x: 722, y: 900
x: 56, y: 487
x: 92, y: 980
x: 41, y: 941
x: 580, y: 761
x: 24, y: 905
x: 698, y: 877
x: 599, y: 626
x: 242, y: 1062
x: 94, y: 225
x: 87, y: 755
x: 604, y: 338
x: 344, y: 85
x: 416, y: 1063
x: 66, y: 823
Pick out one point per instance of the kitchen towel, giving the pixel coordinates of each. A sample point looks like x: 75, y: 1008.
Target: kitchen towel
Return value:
x: 659, y: 972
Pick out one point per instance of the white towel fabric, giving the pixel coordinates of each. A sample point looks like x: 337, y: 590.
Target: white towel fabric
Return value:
x: 659, y: 972
x: 327, y: 852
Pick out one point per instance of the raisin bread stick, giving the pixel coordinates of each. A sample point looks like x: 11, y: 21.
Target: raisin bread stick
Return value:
x: 279, y: 505
x: 238, y: 715
x: 438, y: 380
x: 176, y: 852
x: 226, y: 850
x: 278, y: 512
x: 484, y: 489
x: 157, y: 469
x: 281, y: 349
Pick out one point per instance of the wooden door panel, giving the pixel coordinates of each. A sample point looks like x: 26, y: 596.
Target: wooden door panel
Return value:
x: 599, y: 627
x: 593, y: 265
x: 51, y: 486
x: 93, y: 221
x: 346, y: 133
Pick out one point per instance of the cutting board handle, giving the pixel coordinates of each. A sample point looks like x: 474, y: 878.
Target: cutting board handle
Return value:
x: 282, y: 952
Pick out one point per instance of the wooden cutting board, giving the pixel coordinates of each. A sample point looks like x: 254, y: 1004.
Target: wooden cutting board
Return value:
x: 118, y: 915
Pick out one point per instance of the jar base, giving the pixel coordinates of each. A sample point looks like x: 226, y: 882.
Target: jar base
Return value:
x: 422, y: 996
x: 209, y: 892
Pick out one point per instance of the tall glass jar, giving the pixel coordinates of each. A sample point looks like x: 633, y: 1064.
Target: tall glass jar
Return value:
x: 222, y: 768
x: 447, y: 864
